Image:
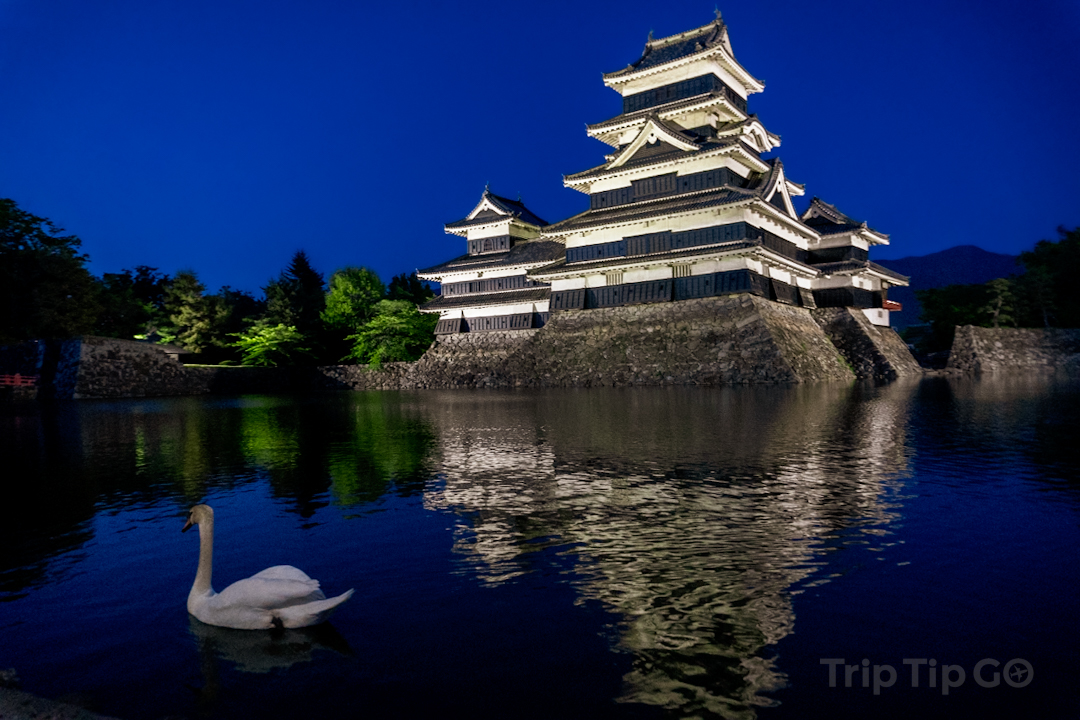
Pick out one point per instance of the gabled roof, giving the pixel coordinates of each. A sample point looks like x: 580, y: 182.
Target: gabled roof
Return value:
x: 708, y: 41
x: 826, y: 219
x: 711, y: 145
x: 672, y: 108
x: 494, y: 208
x: 770, y: 186
x: 656, y: 130
x: 750, y: 128
x: 775, y: 189
x: 676, y: 47
x: 525, y: 253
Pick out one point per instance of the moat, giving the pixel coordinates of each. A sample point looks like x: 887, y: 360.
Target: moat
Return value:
x: 638, y: 552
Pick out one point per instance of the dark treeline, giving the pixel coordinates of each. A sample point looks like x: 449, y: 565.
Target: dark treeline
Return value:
x: 46, y: 292
x: 1039, y: 296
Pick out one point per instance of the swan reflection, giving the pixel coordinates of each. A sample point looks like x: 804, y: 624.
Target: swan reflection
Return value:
x: 260, y: 651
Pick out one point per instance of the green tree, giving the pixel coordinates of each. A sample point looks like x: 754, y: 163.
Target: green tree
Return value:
x: 297, y: 297
x: 196, y: 318
x: 946, y: 307
x: 350, y: 303
x: 1035, y: 302
x: 268, y: 345
x: 242, y: 309
x: 1000, y: 307
x: 132, y: 302
x: 397, y: 332
x: 351, y: 299
x: 409, y: 287
x: 1055, y: 265
x: 45, y: 289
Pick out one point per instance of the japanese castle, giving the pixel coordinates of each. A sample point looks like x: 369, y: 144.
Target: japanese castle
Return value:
x: 684, y: 206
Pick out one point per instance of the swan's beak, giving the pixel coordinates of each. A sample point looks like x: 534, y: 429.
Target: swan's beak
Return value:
x: 187, y: 525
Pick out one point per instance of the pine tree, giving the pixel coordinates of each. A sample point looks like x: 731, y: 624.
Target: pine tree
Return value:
x: 297, y: 298
x: 195, y: 317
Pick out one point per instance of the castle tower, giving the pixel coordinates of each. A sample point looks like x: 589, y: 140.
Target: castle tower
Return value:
x: 685, y: 206
x: 486, y: 288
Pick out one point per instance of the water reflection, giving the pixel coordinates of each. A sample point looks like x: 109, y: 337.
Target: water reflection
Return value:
x: 67, y: 462
x: 262, y: 651
x: 694, y: 515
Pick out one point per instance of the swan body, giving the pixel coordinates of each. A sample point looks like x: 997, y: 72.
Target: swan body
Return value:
x: 280, y: 596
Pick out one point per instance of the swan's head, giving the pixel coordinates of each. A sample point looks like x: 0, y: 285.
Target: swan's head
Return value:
x: 198, y: 514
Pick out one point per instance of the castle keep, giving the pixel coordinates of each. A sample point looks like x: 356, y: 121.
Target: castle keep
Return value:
x: 684, y: 207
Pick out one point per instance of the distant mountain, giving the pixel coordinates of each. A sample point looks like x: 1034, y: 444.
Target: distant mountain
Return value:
x: 960, y: 265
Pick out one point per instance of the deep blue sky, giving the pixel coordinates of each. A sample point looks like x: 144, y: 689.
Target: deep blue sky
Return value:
x: 224, y: 135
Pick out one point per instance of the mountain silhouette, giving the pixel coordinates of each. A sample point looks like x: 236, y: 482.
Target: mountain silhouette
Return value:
x: 960, y: 265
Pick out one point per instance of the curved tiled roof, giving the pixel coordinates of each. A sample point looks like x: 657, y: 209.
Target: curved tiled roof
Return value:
x: 509, y: 297
x: 528, y: 252
x: 558, y: 267
x: 724, y: 195
x: 509, y: 208
x: 826, y: 219
x: 856, y: 266
x: 710, y: 145
x: 675, y: 47
x: 658, y: 109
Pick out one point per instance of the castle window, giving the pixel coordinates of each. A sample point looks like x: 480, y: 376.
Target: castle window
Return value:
x: 613, y: 278
x: 681, y: 271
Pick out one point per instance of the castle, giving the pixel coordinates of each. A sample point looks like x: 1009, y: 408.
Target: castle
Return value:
x: 683, y: 207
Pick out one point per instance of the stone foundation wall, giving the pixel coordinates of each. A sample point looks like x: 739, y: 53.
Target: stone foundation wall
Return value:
x: 96, y: 367
x: 357, y: 377
x: 730, y: 340
x: 874, y: 352
x: 989, y: 350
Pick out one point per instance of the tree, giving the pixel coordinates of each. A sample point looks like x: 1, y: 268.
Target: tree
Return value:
x: 241, y: 310
x: 409, y: 287
x: 1035, y: 297
x: 1056, y: 266
x: 297, y: 297
x: 946, y: 307
x: 351, y: 299
x: 268, y: 345
x: 397, y: 332
x: 196, y: 318
x: 350, y: 303
x: 1000, y: 308
x: 132, y: 302
x: 45, y: 289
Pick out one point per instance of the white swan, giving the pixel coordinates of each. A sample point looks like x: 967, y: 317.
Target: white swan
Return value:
x: 280, y: 596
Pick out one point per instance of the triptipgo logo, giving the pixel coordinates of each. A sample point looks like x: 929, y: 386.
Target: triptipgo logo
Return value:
x: 1016, y: 673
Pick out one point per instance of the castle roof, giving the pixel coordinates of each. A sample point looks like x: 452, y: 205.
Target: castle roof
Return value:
x: 706, y: 42
x: 630, y: 118
x: 510, y: 297
x: 854, y: 267
x: 675, y: 47
x: 827, y: 220
x: 724, y: 195
x: 495, y: 208
x: 524, y: 253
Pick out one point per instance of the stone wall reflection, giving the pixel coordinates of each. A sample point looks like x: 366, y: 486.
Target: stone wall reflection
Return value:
x: 694, y: 515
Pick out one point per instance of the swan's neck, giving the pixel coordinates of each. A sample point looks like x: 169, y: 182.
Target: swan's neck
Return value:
x: 206, y: 558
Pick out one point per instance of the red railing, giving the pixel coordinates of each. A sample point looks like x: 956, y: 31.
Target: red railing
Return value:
x: 891, y: 305
x: 18, y: 380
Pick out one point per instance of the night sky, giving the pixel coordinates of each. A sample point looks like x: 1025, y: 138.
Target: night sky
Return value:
x: 223, y: 136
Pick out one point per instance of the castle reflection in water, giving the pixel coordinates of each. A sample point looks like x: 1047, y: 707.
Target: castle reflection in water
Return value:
x: 695, y: 516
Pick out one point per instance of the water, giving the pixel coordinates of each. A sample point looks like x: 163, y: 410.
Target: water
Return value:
x: 639, y: 553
